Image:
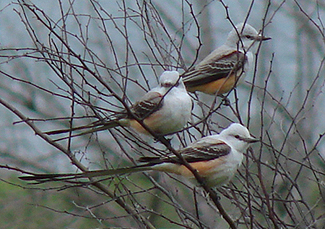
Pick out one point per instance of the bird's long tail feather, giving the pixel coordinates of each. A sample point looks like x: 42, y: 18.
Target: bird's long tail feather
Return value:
x: 43, y: 177
x: 94, y: 127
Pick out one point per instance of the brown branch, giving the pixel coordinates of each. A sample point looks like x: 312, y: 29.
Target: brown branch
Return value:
x: 140, y: 219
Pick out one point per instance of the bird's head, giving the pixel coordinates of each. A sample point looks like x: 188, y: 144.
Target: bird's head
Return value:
x: 170, y: 79
x: 244, y: 36
x: 238, y: 137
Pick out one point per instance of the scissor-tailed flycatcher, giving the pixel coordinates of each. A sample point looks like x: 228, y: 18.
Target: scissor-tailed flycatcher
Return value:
x: 225, y: 67
x: 216, y: 158
x: 165, y: 109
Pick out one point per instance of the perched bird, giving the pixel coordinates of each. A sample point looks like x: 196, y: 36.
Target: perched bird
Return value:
x: 216, y: 158
x: 165, y: 109
x: 225, y: 67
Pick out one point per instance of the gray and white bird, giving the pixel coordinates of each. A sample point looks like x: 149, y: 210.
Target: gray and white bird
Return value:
x: 216, y: 158
x: 165, y: 109
x: 225, y: 67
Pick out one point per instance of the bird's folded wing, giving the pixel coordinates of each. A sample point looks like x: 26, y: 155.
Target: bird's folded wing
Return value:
x: 148, y: 104
x: 195, y: 153
x: 214, y: 69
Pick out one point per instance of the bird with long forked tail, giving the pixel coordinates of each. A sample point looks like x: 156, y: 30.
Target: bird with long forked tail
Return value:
x: 165, y: 109
x: 216, y: 159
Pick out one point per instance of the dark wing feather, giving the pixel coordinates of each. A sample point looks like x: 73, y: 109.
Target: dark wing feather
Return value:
x: 215, y: 69
x: 148, y: 104
x: 203, y: 152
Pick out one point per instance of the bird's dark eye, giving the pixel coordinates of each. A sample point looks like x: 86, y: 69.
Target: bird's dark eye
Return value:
x: 237, y: 136
x: 168, y: 85
x: 249, y: 37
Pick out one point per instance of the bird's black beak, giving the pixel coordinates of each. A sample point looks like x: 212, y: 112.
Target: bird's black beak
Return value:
x: 262, y: 38
x: 252, y: 140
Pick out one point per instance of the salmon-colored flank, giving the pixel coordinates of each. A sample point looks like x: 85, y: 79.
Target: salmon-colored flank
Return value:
x: 204, y: 168
x: 218, y: 87
x: 149, y: 121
